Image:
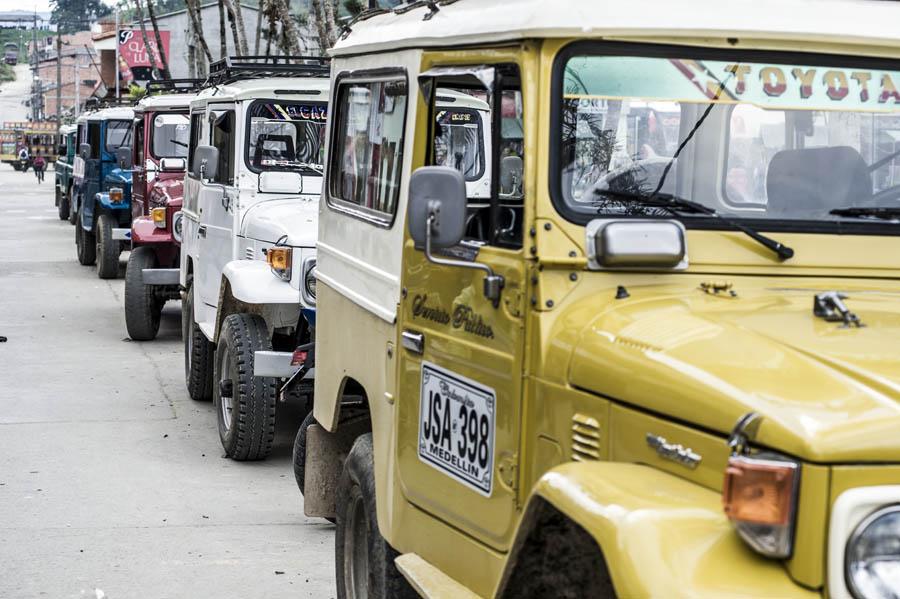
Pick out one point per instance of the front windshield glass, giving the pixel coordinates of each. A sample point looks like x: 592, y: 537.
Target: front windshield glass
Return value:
x: 459, y: 138
x: 170, y: 135
x: 287, y: 136
x: 118, y: 134
x: 758, y: 140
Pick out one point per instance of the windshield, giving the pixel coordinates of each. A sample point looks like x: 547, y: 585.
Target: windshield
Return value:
x: 170, y: 135
x: 757, y: 140
x: 118, y: 134
x: 458, y: 140
x: 286, y: 136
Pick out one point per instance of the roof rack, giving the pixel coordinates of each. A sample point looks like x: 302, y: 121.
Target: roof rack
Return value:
x: 235, y: 68
x: 95, y: 103
x: 173, y: 86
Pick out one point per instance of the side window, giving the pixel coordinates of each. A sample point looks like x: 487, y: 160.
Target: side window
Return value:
x: 93, y: 138
x: 479, y: 131
x: 367, y: 146
x: 222, y: 137
x: 139, y: 142
x: 196, y: 128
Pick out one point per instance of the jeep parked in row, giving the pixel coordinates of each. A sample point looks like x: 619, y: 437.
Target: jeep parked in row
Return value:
x: 63, y: 169
x: 159, y: 156
x: 102, y: 189
x: 249, y: 235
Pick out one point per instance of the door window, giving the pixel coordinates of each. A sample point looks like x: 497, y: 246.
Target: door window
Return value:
x: 222, y: 137
x: 367, y: 154
x: 118, y: 134
x: 93, y: 138
x: 170, y: 136
x: 139, y: 143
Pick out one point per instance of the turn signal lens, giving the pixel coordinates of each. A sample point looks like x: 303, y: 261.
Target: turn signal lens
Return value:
x: 279, y: 258
x: 116, y: 195
x: 759, y: 496
x: 159, y: 217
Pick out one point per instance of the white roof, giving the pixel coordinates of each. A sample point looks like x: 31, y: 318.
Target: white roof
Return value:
x: 66, y: 129
x: 268, y: 87
x: 116, y: 113
x: 855, y: 22
x: 459, y: 100
x: 165, y: 102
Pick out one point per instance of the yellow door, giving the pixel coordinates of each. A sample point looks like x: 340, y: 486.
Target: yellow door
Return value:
x: 461, y: 355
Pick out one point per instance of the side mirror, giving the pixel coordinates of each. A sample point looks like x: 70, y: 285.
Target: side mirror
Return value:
x: 511, y: 169
x: 123, y: 158
x: 636, y: 243
x: 172, y: 165
x: 437, y: 206
x: 84, y: 150
x: 437, y: 219
x: 205, y: 163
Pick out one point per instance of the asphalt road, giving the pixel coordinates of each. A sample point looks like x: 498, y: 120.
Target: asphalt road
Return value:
x: 13, y: 93
x: 112, y: 480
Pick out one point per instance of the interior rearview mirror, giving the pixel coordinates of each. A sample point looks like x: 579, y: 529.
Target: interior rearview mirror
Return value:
x: 84, y: 150
x: 205, y: 163
x: 123, y: 158
x: 437, y: 206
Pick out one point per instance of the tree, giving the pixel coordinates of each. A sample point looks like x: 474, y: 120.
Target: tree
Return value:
x: 163, y: 59
x: 223, y: 40
x: 193, y: 9
x: 77, y: 15
x: 153, y: 56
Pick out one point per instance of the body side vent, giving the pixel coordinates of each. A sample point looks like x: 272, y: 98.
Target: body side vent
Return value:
x: 585, y: 438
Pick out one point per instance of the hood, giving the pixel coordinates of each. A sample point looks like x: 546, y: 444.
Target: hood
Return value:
x: 167, y: 192
x: 296, y: 218
x: 826, y: 392
x: 119, y: 176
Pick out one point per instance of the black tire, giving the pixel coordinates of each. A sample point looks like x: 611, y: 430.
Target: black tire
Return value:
x: 377, y: 577
x: 198, y: 351
x: 73, y: 209
x: 299, y: 453
x: 245, y: 404
x: 62, y: 205
x: 142, y: 307
x: 85, y: 244
x: 108, y: 249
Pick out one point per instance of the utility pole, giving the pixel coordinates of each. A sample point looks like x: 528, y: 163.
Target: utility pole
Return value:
x: 77, y: 88
x: 35, y: 70
x: 58, y: 79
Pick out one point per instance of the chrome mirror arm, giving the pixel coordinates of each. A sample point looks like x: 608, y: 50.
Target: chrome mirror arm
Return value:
x: 493, y: 283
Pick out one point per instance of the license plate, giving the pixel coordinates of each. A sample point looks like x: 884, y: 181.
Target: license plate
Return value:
x: 456, y: 427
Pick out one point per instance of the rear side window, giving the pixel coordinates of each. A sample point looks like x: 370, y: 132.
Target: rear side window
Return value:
x: 367, y: 147
x: 93, y: 138
x: 196, y: 128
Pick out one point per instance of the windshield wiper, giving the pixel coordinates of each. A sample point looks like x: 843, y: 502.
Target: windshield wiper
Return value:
x: 178, y: 143
x: 882, y: 212
x: 675, y: 204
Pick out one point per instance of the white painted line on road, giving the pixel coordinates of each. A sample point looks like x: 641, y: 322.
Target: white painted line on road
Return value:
x: 11, y: 211
x: 38, y: 217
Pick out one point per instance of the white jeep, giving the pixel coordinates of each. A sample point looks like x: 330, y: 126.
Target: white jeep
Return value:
x: 249, y: 234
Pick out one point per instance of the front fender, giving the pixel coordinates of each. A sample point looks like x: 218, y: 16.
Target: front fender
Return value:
x: 661, y: 536
x: 102, y: 198
x: 252, y: 282
x: 144, y: 231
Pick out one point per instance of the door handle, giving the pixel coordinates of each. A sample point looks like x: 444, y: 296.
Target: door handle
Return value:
x: 202, y: 231
x: 414, y: 342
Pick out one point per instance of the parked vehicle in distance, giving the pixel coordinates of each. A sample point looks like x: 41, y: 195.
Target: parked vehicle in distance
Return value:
x: 159, y: 157
x: 11, y: 53
x: 660, y: 356
x: 63, y: 170
x: 33, y: 136
x: 102, y: 189
x: 249, y: 233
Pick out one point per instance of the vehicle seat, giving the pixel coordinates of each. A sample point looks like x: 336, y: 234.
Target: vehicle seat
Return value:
x: 273, y: 147
x: 813, y: 181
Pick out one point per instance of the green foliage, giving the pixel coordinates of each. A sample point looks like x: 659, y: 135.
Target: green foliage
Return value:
x: 7, y: 73
x: 136, y: 92
x: 77, y: 15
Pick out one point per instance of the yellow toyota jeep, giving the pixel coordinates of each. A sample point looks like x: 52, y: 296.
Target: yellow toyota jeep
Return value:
x: 662, y: 356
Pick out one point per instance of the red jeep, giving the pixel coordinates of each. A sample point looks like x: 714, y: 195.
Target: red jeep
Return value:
x: 159, y: 157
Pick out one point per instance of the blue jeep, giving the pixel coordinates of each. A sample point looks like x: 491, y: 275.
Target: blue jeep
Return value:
x: 102, y: 191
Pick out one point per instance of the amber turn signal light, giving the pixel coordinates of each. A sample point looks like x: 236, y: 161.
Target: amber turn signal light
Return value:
x: 159, y: 217
x: 759, y: 491
x: 279, y: 258
x: 116, y: 195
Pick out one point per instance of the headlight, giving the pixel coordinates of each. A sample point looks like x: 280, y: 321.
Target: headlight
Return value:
x: 873, y: 556
x: 159, y: 217
x: 279, y: 259
x: 760, y: 497
x: 116, y: 194
x: 309, y: 281
x: 177, y: 225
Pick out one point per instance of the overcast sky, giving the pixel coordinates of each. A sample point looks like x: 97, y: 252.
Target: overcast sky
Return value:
x: 31, y: 5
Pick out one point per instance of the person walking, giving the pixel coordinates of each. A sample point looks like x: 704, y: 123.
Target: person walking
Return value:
x: 39, y: 165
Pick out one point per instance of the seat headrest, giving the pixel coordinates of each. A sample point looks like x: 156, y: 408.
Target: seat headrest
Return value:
x: 810, y: 182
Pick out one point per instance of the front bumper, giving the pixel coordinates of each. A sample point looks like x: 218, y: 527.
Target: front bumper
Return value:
x: 277, y: 364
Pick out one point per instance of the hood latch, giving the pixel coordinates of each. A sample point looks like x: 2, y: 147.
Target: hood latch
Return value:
x: 830, y: 306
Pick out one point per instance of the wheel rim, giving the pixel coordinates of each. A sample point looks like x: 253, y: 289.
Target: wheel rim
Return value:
x: 226, y: 401
x: 356, y: 548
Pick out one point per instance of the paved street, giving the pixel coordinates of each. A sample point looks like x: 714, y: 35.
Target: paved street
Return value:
x: 112, y: 481
x: 12, y: 94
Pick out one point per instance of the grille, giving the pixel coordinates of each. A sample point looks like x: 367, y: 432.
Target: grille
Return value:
x: 585, y: 438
